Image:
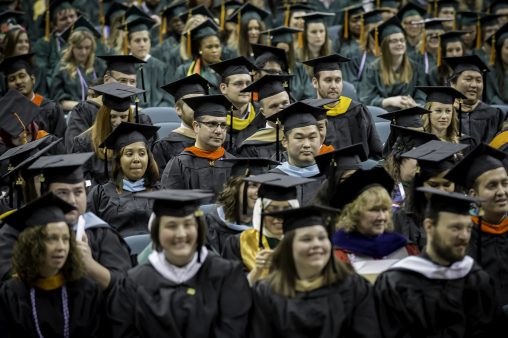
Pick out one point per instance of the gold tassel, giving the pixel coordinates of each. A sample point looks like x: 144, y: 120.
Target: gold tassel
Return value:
x: 377, y: 52
x: 287, y: 15
x: 189, y: 46
x: 439, y: 51
x: 378, y: 3
x: 222, y: 15
x: 423, y: 45
x: 346, y: 24
x: 140, y: 3
x: 454, y: 24
x: 125, y: 44
x: 269, y: 39
x: 47, y: 23
x: 435, y: 8
x: 492, y: 59
x: 362, y: 31
x: 478, y: 34
x: 102, y: 21
x: 300, y: 40
x: 238, y: 24
x: 24, y: 137
x: 163, y: 29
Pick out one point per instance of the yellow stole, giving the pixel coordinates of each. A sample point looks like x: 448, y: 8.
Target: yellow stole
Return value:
x: 185, y: 132
x: 249, y: 247
x: 340, y: 108
x: 241, y: 124
x: 306, y: 286
x: 500, y: 140
x: 268, y: 135
x: 50, y: 283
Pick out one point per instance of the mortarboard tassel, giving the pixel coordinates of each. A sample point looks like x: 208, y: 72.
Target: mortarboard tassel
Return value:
x: 435, y: 8
x: 163, y: 29
x: 102, y: 21
x: 346, y: 24
x: 140, y: 3
x: 362, y: 31
x: 300, y: 40
x: 423, y: 45
x: 479, y: 238
x: 47, y: 23
x: 377, y: 52
x: 261, y: 224
x: 478, y: 34
x: 378, y: 3
x: 439, y: 52
x: 24, y: 137
x: 222, y: 15
x: 492, y: 59
x: 125, y: 42
x: 287, y: 15
x: 454, y: 23
x: 238, y: 23
x: 277, y: 145
x: 136, y: 101
x: 143, y: 83
x: 231, y: 130
x: 189, y: 46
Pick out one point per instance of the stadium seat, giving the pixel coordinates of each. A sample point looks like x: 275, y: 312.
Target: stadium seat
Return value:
x: 161, y: 114
x: 166, y: 128
x: 383, y: 129
x: 137, y: 243
x: 375, y: 112
x: 349, y: 90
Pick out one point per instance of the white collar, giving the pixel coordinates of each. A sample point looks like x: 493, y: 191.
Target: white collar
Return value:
x: 183, y: 125
x: 174, y: 273
x: 433, y: 271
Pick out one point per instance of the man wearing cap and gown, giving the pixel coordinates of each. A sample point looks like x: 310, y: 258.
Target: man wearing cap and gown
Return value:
x: 482, y: 173
x: 62, y: 14
x: 184, y: 136
x: 497, y: 81
x: 442, y: 292
x: 302, y: 142
x: 20, y: 76
x: 349, y: 121
x: 426, y: 55
x: 119, y: 68
x: 235, y: 77
x: 409, y: 16
x: 170, y: 31
x: 63, y: 175
x: 500, y: 7
x: 477, y: 119
x: 273, y: 96
x: 446, y: 9
x: 451, y: 45
x: 200, y: 166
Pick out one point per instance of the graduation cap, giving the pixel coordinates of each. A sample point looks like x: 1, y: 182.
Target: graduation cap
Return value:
x: 280, y: 34
x: 81, y: 24
x: 248, y: 12
x: 389, y: 27
x: 174, y: 10
x: 390, y: 4
x: 297, y: 115
x: 204, y: 29
x: 17, y: 154
x: 139, y: 25
x: 192, y: 84
x: 443, y: 201
x: 434, y: 23
x: 134, y: 12
x: 223, y: 6
x: 408, y: 138
x: 409, y: 117
x: 238, y: 65
x: 358, y: 182
x: 290, y: 8
x: 264, y: 53
x: 115, y: 10
x: 67, y: 168
x: 117, y: 96
x: 176, y: 202
x: 324, y: 63
x: 346, y: 158
x: 16, y: 112
x: 411, y: 9
x: 269, y: 85
x: 49, y: 208
x: 128, y: 133
x: 15, y: 63
x: 351, y: 12
x: 440, y: 4
x: 497, y: 5
x: 460, y: 64
x: 372, y: 17
x: 125, y: 64
x: 496, y: 41
x: 441, y: 94
x: 489, y: 20
x: 316, y: 17
x: 198, y: 10
x: 304, y: 217
x: 444, y: 40
x: 11, y: 17
x: 209, y: 105
x: 479, y: 160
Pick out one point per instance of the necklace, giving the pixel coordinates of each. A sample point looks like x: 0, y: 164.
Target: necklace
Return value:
x: 65, y: 308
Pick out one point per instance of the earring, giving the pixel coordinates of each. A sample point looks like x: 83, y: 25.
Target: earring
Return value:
x: 200, y: 52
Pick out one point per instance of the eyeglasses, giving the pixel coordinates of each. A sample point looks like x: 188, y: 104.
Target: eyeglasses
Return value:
x: 273, y: 71
x: 214, y: 125
x: 240, y: 84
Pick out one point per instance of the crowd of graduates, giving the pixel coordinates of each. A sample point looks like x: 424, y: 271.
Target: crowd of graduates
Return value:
x: 276, y: 207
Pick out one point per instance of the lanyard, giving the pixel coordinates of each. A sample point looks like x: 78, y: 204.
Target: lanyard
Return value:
x: 83, y: 84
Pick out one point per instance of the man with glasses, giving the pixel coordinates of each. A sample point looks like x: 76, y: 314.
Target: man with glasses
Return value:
x: 200, y: 166
x: 235, y: 76
x: 120, y: 69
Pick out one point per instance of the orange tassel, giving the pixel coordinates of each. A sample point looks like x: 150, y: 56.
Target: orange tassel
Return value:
x: 163, y: 29
x: 238, y: 24
x: 377, y: 52
x: 478, y: 34
x: 24, y: 134
x: 492, y: 59
x: 47, y: 23
x: 346, y: 24
x: 423, y: 46
x: 439, y: 52
x: 222, y: 15
x: 287, y: 15
x: 300, y: 40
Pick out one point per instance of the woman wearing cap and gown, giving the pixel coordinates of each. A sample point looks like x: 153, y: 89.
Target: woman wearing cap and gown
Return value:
x: 134, y: 171
x: 497, y: 80
x: 316, y: 41
x: 250, y: 25
x: 426, y: 53
x: 311, y: 295
x: 410, y: 17
x: 49, y: 297
x: 183, y: 290
x: 349, y: 37
x: 451, y: 46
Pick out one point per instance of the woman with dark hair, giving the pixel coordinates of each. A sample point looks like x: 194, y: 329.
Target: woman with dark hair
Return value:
x: 48, y: 295
x: 349, y: 37
x: 134, y: 171
x: 308, y: 293
x: 183, y: 290
x: 497, y: 80
x: 316, y: 42
x: 250, y: 20
x: 451, y: 45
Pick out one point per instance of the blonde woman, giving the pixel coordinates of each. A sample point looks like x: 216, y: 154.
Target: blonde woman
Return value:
x: 77, y: 67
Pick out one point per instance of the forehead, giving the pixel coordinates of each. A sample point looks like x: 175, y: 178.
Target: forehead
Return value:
x: 236, y: 77
x: 304, y: 130
x: 468, y: 73
x: 451, y: 218
x: 136, y: 145
x: 310, y: 230
x: 492, y: 175
x: 19, y: 72
x: 396, y: 36
x: 141, y: 34
x: 330, y: 73
x: 65, y: 186
x: 208, y: 118
x: 170, y: 219
x: 57, y: 227
x: 120, y: 74
x: 65, y: 12
x: 119, y: 113
x: 282, y: 96
x: 316, y: 25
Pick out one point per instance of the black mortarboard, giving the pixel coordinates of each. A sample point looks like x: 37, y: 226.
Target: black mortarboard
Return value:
x: 329, y: 62
x: 174, y: 10
x: 15, y: 63
x: 407, y: 138
x: 192, y: 84
x: 249, y: 12
x: 125, y: 64
x: 441, y: 94
x: 280, y: 34
x: 460, y: 64
x: 410, y: 9
x: 48, y: 208
x: 12, y: 17
x: 447, y: 3
x: 230, y: 4
x: 278, y: 187
x: 372, y: 17
x: 453, y: 202
x: 238, y: 65
x: 198, y: 10
x: 139, y: 25
x: 500, y: 35
x: 117, y: 96
x: 394, y: 4
x: 480, y: 159
x: 81, y: 24
x: 316, y: 17
x: 409, y: 117
x: 297, y: 7
x: 489, y: 20
x: 246, y: 166
x: 303, y: 217
x: 209, y: 105
x: 263, y: 53
x: 497, y: 5
x: 389, y: 27
x: 358, y: 182
x: 204, y: 29
x: 134, y: 12
x: 453, y: 36
x: 59, y: 5
x: 17, y: 154
x: 434, y: 23
x: 269, y: 85
x: 175, y: 202
x: 297, y: 115
x: 65, y: 168
x: 116, y: 10
x: 16, y: 112
x: 468, y: 18
x: 128, y: 133
x: 346, y: 158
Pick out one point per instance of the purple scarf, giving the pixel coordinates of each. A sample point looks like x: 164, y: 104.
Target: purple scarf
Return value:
x: 376, y: 247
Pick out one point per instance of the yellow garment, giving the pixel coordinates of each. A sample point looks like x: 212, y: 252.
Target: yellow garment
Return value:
x: 268, y: 135
x: 50, y: 283
x: 306, y: 286
x: 340, y: 108
x: 249, y: 247
x: 185, y: 132
x: 39, y: 7
x: 241, y: 124
x: 500, y: 140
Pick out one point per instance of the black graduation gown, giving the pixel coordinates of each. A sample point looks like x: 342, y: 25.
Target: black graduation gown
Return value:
x: 187, y: 171
x: 412, y: 305
x: 51, y: 118
x: 94, y: 169
x: 354, y: 126
x: 344, y: 309
x: 262, y: 144
x: 126, y: 213
x: 405, y: 224
x: 218, y: 232
x: 239, y: 136
x: 170, y: 146
x: 155, y: 76
x: 213, y: 303
x: 81, y: 117
x: 305, y: 192
x: 47, y: 53
x: 86, y: 310
x: 482, y: 123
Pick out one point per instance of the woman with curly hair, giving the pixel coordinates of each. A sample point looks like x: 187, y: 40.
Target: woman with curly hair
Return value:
x: 77, y: 67
x: 48, y: 295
